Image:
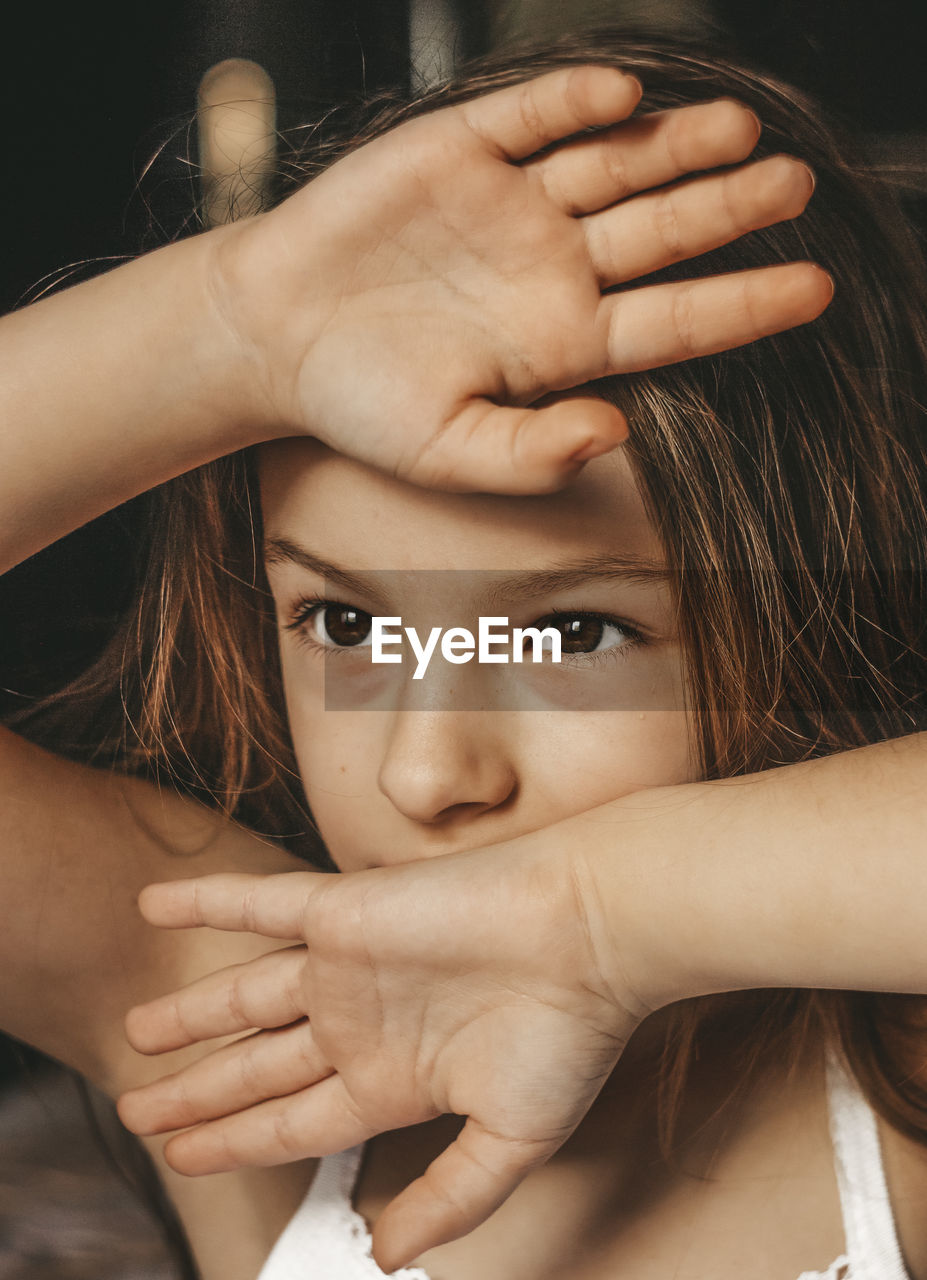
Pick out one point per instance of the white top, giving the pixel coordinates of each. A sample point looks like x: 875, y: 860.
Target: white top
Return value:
x: 327, y: 1240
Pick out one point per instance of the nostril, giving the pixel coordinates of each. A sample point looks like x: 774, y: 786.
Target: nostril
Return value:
x: 440, y: 769
x: 469, y: 810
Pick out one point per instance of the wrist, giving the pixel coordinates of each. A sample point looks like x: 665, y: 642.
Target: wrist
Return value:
x: 229, y: 357
x: 650, y: 873
x: 267, y: 298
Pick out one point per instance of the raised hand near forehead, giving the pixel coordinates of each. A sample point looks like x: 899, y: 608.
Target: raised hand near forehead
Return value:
x: 409, y: 305
x: 467, y: 984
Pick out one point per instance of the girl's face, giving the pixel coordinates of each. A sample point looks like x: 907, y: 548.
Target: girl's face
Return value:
x: 397, y: 768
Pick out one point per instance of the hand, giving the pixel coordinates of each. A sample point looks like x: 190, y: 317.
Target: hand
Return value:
x: 408, y: 306
x: 465, y: 984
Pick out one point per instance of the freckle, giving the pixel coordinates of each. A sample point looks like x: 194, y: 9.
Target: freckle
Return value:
x: 343, y: 768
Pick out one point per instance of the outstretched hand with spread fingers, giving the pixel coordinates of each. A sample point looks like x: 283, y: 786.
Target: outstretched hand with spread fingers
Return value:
x: 417, y: 339
x: 466, y: 984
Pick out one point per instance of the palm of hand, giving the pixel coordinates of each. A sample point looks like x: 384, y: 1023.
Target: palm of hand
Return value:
x: 442, y: 1017
x: 455, y: 315
x: 463, y: 984
x: 416, y: 339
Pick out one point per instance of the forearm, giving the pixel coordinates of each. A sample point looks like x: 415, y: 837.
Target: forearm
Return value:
x: 813, y: 875
x: 114, y: 386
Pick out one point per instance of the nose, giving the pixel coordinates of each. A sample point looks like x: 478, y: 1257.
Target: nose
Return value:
x: 444, y: 766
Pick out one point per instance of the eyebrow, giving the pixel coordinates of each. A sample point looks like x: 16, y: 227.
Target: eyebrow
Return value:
x: 514, y: 588
x: 600, y: 568
x: 282, y: 551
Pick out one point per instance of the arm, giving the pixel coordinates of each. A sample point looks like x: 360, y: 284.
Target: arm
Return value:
x: 547, y: 950
x: 257, y: 330
x: 260, y: 328
x: 77, y: 845
x: 71, y: 949
x: 475, y: 250
x: 811, y: 875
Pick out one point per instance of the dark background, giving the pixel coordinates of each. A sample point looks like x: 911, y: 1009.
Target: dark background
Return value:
x: 99, y: 125
x: 93, y: 89
x: 98, y: 129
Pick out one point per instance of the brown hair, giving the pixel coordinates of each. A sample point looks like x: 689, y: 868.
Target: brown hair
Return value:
x: 787, y: 479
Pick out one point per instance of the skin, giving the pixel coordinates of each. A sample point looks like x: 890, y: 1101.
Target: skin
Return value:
x: 429, y: 777
x: 420, y: 780
x: 244, y: 334
x: 480, y: 254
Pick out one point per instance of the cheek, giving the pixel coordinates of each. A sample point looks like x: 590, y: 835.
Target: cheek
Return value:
x: 338, y: 762
x: 589, y: 758
x: 337, y: 757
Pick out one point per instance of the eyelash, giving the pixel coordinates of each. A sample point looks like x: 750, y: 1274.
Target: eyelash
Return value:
x: 304, y: 609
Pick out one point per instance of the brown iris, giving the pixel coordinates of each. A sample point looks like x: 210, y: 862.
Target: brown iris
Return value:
x: 346, y: 626
x: 581, y: 632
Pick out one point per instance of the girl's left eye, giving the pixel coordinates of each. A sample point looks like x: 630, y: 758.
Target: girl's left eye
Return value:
x: 587, y: 633
x: 331, y: 625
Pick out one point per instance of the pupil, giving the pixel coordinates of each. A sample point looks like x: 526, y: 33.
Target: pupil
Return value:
x: 346, y: 626
x: 581, y: 635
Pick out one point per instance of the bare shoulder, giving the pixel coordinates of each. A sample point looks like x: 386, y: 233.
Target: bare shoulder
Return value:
x: 76, y: 847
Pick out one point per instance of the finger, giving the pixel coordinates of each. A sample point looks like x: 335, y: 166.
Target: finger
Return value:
x: 521, y: 119
x: 269, y: 905
x: 269, y: 1064
x: 593, y: 172
x: 489, y: 448
x: 664, y: 323
x: 261, y: 993
x: 317, y: 1121
x: 682, y: 221
x: 458, y: 1191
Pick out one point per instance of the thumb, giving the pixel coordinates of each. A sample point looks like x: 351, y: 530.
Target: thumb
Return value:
x: 458, y: 1191
x: 490, y: 448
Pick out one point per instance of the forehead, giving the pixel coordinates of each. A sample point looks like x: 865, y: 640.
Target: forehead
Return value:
x: 368, y: 520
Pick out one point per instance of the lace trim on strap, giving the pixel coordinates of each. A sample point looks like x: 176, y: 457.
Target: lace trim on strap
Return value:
x: 326, y: 1238
x: 839, y: 1269
x: 868, y: 1222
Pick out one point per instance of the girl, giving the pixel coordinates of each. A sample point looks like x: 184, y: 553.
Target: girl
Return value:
x: 267, y: 355
x: 186, y: 346
x: 749, y: 575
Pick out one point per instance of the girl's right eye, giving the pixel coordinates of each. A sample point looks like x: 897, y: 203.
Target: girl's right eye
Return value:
x: 333, y: 626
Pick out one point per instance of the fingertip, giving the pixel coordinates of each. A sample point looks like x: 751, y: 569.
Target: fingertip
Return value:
x: 391, y: 1245
x: 174, y: 1157
x: 416, y: 1221
x: 154, y: 899
x: 733, y: 133
x: 821, y: 288
x: 387, y: 1257
x: 145, y: 1030
x: 145, y: 899
x: 602, y: 93
x: 635, y: 86
x: 790, y: 183
x: 828, y: 284
x: 125, y: 1110
x: 179, y: 1157
x: 131, y: 1109
x: 134, y: 1029
x: 571, y: 431
x: 605, y: 427
x: 793, y: 293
